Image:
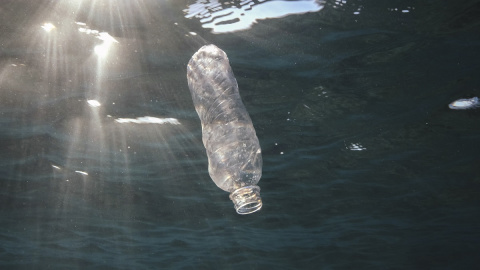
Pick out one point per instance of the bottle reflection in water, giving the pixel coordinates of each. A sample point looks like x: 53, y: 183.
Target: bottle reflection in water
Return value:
x: 233, y: 150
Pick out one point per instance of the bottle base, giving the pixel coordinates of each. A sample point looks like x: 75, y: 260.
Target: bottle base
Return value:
x: 247, y: 200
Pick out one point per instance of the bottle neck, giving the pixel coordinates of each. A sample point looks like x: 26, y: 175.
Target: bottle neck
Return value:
x: 247, y: 199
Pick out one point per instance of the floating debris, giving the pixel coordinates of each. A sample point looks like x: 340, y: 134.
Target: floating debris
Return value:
x: 464, y: 104
x: 355, y: 147
x: 93, y: 103
x: 82, y: 172
x: 148, y: 120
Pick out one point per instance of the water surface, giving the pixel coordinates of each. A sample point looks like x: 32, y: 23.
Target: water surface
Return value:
x: 365, y: 167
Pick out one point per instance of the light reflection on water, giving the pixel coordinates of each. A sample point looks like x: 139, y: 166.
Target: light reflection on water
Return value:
x: 224, y: 16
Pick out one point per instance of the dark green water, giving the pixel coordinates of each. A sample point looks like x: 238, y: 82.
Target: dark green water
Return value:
x: 365, y: 166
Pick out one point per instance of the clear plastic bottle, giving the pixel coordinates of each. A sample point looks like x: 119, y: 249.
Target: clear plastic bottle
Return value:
x: 233, y: 150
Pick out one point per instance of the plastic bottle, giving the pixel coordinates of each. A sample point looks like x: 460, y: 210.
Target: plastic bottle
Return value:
x: 233, y: 150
